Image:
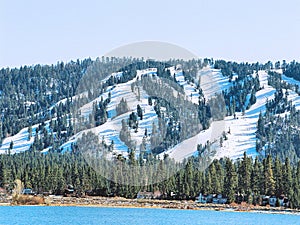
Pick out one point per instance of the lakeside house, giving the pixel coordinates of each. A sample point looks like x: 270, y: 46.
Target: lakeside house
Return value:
x: 274, y: 201
x: 204, y: 198
x: 265, y: 200
x: 69, y: 190
x: 148, y: 195
x: 144, y: 195
x: 211, y: 198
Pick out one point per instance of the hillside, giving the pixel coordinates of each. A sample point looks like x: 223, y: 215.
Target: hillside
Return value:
x: 229, y: 136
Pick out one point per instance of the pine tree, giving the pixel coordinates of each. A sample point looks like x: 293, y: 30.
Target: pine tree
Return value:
x: 296, y: 187
x: 269, y: 182
x: 189, y: 178
x: 252, y: 97
x: 278, y: 177
x: 256, y: 180
x: 215, y: 182
x: 230, y: 181
x: 29, y: 132
x: 150, y: 101
x: 287, y: 178
x: 122, y: 107
x: 3, y: 177
x: 139, y: 112
x: 244, y: 179
x: 208, y: 183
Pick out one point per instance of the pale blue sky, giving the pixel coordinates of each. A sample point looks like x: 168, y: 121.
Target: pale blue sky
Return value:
x: 36, y: 31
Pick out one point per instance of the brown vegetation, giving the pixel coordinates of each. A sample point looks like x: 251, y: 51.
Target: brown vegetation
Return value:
x: 28, y: 200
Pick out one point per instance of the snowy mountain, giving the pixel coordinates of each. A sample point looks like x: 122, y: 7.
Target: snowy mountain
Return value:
x: 230, y: 137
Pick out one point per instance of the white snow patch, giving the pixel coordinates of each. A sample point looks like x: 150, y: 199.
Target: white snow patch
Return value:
x: 20, y: 141
x: 212, y: 81
x: 242, y: 137
x: 190, y: 89
x: 111, y: 129
x: 290, y: 80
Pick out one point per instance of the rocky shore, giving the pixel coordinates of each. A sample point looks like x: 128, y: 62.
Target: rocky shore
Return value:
x: 164, y: 204
x: 149, y: 203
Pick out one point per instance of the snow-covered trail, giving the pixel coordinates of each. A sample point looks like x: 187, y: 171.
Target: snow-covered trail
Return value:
x: 111, y: 129
x: 21, y: 142
x: 190, y: 89
x: 212, y: 81
x: 292, y: 94
x: 242, y: 137
x: 189, y: 146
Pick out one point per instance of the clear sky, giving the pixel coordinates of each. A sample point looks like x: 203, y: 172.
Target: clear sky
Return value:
x: 37, y: 31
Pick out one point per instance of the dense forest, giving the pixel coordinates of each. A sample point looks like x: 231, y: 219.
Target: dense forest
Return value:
x: 245, y: 178
x: 47, y: 96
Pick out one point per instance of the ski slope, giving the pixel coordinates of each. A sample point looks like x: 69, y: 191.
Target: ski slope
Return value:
x: 242, y: 137
x: 190, y: 89
x: 111, y: 129
x: 293, y: 96
x: 188, y: 147
x: 212, y: 81
x: 20, y: 141
x: 240, y: 131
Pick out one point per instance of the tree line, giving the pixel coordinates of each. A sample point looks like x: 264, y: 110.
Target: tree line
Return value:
x: 246, y: 178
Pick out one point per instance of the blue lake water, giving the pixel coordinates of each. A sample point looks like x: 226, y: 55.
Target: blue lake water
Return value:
x: 43, y: 215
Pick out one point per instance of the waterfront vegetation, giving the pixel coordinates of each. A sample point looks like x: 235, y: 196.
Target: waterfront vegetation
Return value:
x: 245, y: 178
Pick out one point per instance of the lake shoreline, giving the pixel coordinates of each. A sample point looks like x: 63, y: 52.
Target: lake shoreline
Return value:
x: 119, y: 202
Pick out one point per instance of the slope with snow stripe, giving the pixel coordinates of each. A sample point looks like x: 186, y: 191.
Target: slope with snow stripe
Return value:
x: 21, y: 142
x: 242, y: 136
x: 111, y: 129
x: 190, y: 89
x: 189, y: 146
x: 212, y: 81
x: 290, y: 80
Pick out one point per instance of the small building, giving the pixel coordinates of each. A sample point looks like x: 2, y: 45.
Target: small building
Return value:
x: 284, y: 202
x: 272, y: 201
x: 144, y: 195
x: 216, y: 199
x: 69, y: 190
x: 202, y: 199
x: 219, y: 199
x: 157, y: 194
x: 265, y: 200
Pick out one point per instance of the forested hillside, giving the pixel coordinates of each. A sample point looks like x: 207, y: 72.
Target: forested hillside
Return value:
x: 136, y: 112
x: 250, y: 178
